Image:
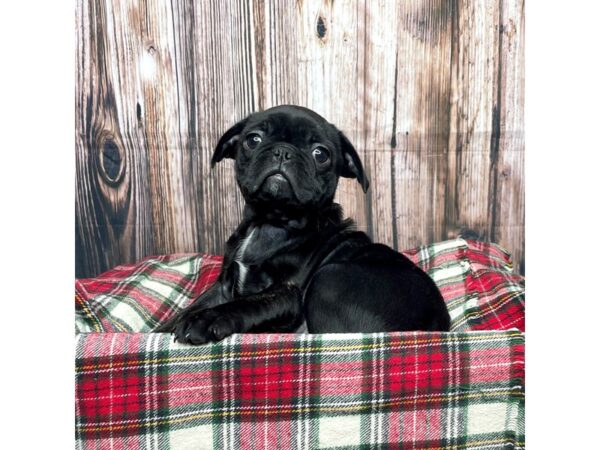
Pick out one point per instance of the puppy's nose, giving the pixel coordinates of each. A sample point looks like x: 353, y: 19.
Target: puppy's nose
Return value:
x: 282, y: 153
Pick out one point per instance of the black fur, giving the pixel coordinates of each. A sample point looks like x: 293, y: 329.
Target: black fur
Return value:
x: 294, y: 259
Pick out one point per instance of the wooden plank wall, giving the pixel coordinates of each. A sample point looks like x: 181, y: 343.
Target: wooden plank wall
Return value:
x: 430, y: 92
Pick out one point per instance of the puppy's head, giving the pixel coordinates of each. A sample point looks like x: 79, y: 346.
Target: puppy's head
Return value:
x: 289, y: 156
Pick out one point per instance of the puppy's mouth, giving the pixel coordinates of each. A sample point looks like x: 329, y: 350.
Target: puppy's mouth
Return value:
x: 275, y: 184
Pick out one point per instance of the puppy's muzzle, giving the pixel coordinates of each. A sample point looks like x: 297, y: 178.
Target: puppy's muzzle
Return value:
x: 278, y: 167
x: 284, y: 175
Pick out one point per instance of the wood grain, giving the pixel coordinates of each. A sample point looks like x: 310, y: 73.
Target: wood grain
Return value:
x: 473, y: 117
x: 429, y: 91
x: 422, y: 109
x: 329, y: 50
x: 508, y: 213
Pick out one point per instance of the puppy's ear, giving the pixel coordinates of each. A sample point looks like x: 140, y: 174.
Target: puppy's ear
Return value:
x: 226, y: 146
x: 352, y: 167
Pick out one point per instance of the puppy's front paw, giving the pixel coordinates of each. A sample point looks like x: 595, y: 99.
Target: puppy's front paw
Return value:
x: 202, y: 327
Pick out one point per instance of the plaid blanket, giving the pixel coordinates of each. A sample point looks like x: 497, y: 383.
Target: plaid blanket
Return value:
x: 461, y: 390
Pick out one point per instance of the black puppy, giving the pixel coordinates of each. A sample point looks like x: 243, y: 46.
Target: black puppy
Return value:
x: 294, y: 262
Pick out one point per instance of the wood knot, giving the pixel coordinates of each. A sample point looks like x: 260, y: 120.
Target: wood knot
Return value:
x: 467, y: 233
x: 322, y: 28
x: 111, y: 161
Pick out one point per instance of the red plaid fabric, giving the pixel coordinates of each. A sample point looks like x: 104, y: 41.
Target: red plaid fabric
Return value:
x: 397, y: 390
x: 459, y: 390
x: 139, y: 297
x: 475, y: 279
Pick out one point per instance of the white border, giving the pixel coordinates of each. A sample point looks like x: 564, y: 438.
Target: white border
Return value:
x: 562, y: 127
x: 37, y: 184
x: 37, y: 188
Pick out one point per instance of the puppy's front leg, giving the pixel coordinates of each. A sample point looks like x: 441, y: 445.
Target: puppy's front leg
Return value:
x: 279, y: 308
x: 209, y: 299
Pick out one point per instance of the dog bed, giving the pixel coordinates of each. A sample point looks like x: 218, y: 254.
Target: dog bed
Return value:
x: 419, y: 390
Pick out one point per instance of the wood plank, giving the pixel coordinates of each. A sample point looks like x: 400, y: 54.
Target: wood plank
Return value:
x: 508, y: 214
x: 276, y: 49
x: 165, y: 124
x: 379, y: 74
x: 329, y: 41
x: 226, y: 94
x: 422, y: 110
x: 474, y: 91
x: 111, y: 161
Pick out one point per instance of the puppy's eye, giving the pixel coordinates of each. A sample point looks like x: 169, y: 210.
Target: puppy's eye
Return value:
x: 321, y: 154
x: 252, y: 140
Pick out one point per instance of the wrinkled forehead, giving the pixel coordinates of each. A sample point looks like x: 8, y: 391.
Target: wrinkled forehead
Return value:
x: 292, y: 128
